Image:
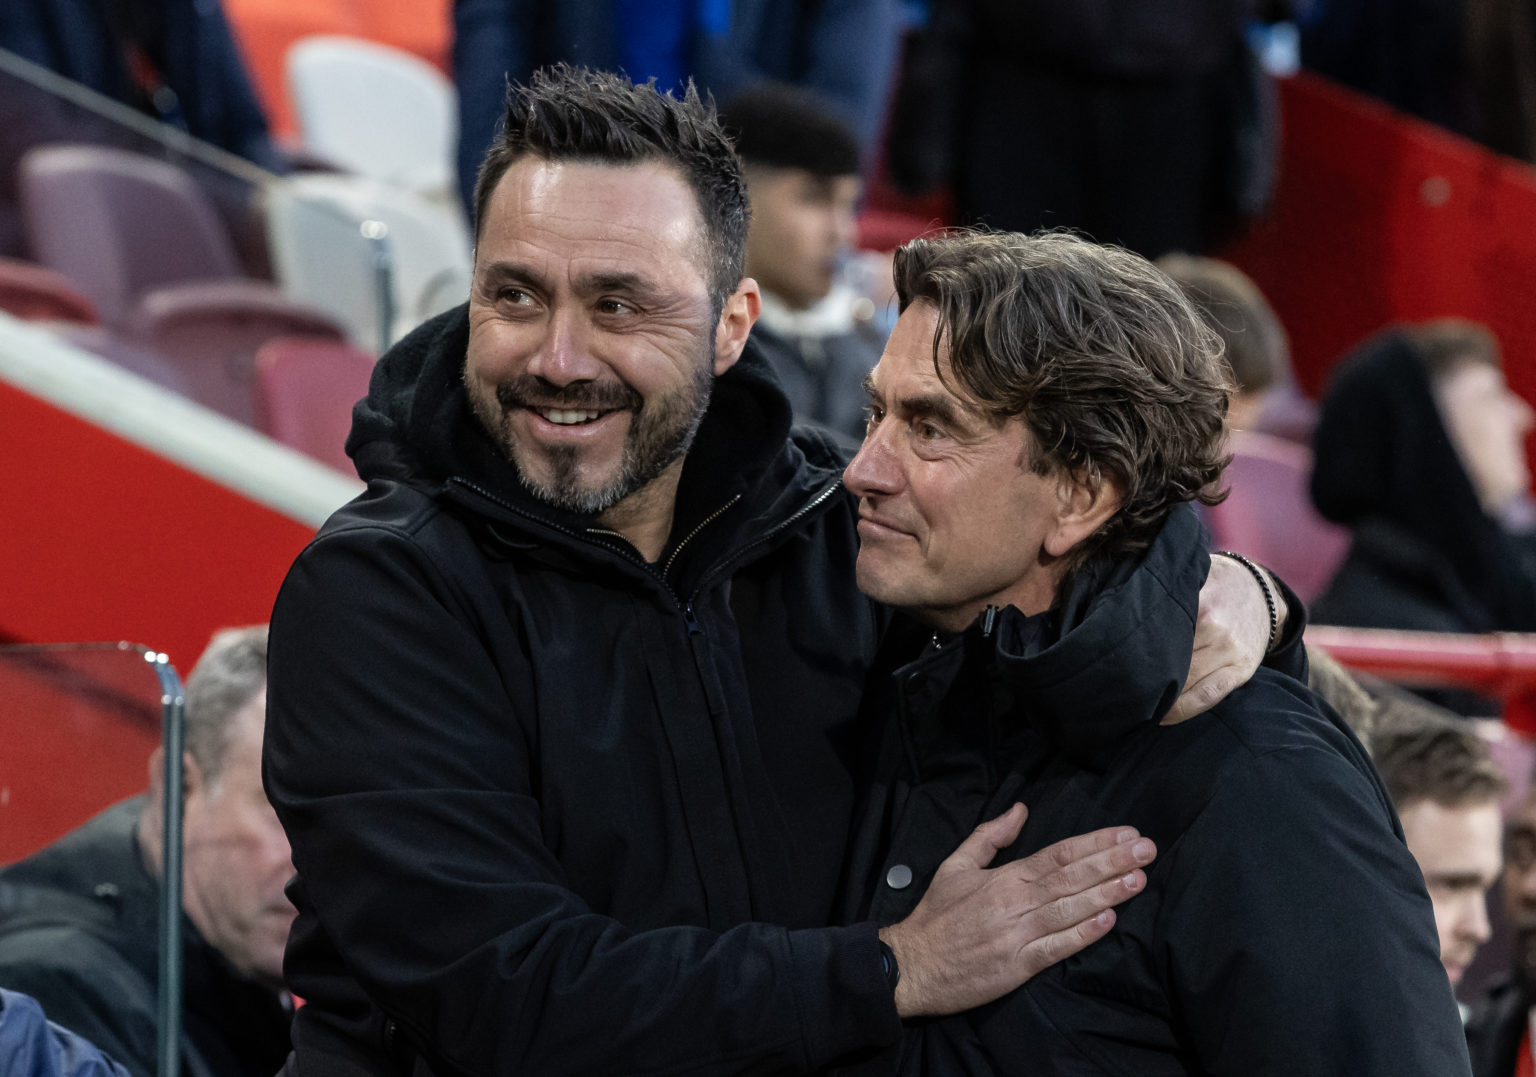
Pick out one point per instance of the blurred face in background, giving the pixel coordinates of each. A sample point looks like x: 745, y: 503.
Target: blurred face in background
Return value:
x: 236, y: 858
x: 1458, y: 850
x: 802, y: 225
x: 1487, y: 423
x: 1520, y: 886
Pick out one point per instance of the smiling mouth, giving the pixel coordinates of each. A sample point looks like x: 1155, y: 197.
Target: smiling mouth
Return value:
x: 568, y: 416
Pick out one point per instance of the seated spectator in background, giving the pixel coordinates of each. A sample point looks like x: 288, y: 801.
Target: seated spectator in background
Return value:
x: 1499, y: 1027
x: 802, y: 169
x: 1257, y: 350
x: 33, y: 1046
x: 1419, y: 450
x: 175, y: 60
x: 1068, y: 397
x: 1446, y: 788
x: 844, y: 50
x: 78, y: 919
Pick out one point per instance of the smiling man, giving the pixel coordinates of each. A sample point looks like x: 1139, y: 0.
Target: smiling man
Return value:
x: 564, y: 708
x: 1041, y: 412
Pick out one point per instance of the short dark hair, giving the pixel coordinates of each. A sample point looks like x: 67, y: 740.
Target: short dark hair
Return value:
x: 228, y: 675
x: 570, y: 113
x: 1256, y: 347
x: 1424, y: 755
x: 1446, y: 345
x: 775, y: 125
x: 1101, y: 354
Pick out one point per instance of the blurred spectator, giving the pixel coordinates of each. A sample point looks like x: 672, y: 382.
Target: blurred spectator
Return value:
x: 78, y: 919
x: 1499, y: 1027
x: 1146, y: 125
x: 1419, y: 450
x: 174, y: 60
x: 1257, y: 350
x: 1467, y: 65
x: 802, y: 169
x: 1446, y: 788
x: 843, y: 49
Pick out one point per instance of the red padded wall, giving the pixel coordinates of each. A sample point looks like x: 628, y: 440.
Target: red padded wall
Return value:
x: 1379, y: 217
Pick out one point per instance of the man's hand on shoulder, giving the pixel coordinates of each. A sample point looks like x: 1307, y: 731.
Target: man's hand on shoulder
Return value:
x: 1232, y: 635
x: 980, y: 932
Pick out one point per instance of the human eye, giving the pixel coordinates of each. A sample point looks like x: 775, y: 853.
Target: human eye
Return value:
x: 611, y: 305
x: 873, y: 413
x: 927, y: 429
x: 513, y: 296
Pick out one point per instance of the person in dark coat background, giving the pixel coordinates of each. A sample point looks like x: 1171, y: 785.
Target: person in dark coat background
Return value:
x: 1069, y: 397
x: 1119, y: 118
x: 1419, y: 450
x: 78, y: 918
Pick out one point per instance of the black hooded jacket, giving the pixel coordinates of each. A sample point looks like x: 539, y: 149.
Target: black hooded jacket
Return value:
x: 1284, y: 928
x: 555, y: 810
x: 1424, y: 555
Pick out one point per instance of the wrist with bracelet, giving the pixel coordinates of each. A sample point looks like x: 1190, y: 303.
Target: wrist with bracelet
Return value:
x: 1269, y: 594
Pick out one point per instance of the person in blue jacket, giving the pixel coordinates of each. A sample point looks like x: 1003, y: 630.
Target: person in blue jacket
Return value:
x: 844, y: 50
x: 175, y: 60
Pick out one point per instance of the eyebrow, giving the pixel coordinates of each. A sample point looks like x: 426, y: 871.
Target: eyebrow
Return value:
x: 940, y: 406
x: 624, y: 282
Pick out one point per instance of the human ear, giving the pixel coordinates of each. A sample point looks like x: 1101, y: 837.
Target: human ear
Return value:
x: 736, y: 318
x: 1085, y: 500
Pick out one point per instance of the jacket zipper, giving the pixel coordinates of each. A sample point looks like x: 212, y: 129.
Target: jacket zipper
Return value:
x: 726, y: 562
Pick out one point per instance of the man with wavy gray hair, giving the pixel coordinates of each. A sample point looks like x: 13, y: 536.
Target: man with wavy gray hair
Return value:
x: 1041, y: 412
x: 78, y: 918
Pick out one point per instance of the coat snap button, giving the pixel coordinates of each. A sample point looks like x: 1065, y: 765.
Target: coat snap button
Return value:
x: 899, y: 877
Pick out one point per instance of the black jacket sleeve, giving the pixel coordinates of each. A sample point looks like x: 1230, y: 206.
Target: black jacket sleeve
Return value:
x: 410, y: 793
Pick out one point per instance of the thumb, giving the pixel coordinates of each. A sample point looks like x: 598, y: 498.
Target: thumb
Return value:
x: 983, y: 843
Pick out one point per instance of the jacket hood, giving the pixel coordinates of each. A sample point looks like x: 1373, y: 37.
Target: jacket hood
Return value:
x: 1108, y: 658
x: 1384, y: 465
x: 416, y: 425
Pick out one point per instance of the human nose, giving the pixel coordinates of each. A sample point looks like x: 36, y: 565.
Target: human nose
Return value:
x: 845, y: 228
x: 1525, y: 418
x: 874, y: 470
x: 1474, y: 917
x: 564, y: 356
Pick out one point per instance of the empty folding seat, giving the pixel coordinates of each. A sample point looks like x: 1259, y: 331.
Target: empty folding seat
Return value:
x: 140, y: 238
x: 305, y: 390
x: 375, y: 110
x: 34, y: 293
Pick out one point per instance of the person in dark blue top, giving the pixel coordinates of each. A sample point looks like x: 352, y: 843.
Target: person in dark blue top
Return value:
x: 1043, y: 409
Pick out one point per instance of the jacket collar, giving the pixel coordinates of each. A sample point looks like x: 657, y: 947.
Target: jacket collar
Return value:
x: 1107, y: 660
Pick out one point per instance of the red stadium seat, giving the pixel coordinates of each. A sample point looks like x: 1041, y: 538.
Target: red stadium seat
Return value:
x: 305, y: 390
x: 33, y: 293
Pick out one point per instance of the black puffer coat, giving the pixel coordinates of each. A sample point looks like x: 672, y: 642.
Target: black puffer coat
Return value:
x: 1284, y: 928
x: 546, y: 800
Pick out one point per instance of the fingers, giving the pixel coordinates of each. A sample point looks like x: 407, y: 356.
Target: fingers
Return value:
x: 1044, y: 952
x: 978, y: 849
x: 1201, y: 695
x: 1080, y: 848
